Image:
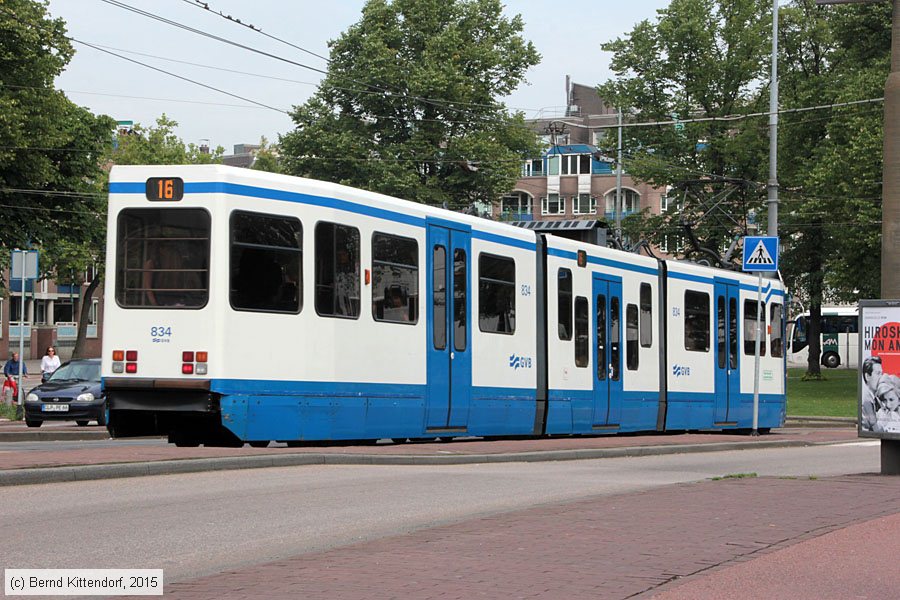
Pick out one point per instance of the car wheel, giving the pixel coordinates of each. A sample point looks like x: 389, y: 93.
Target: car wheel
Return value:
x: 103, y: 419
x: 82, y: 423
x: 831, y: 360
x: 31, y: 423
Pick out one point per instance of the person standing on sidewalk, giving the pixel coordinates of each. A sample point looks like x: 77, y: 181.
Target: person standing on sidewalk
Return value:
x: 11, y: 371
x: 49, y: 364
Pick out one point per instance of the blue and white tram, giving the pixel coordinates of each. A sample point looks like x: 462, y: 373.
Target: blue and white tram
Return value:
x: 247, y: 306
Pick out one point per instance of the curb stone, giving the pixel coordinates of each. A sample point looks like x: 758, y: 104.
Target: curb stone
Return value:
x: 199, y: 465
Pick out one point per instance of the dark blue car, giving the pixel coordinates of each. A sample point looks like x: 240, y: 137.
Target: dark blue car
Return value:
x: 71, y: 394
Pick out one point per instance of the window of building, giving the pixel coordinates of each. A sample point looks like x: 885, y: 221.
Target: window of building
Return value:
x: 553, y: 165
x: 162, y: 258
x: 266, y: 263
x: 584, y: 164
x: 516, y: 205
x: 553, y: 204
x: 582, y: 334
x: 64, y: 310
x: 631, y: 337
x: 696, y: 321
x: 750, y: 310
x: 663, y: 203
x: 533, y: 168
x: 564, y: 299
x: 584, y: 204
x: 395, y: 278
x: 646, y: 316
x: 496, y: 294
x: 631, y: 202
x: 337, y: 270
x: 775, y: 326
x: 94, y: 314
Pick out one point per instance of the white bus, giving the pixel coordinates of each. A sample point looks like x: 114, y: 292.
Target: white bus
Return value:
x: 839, y: 335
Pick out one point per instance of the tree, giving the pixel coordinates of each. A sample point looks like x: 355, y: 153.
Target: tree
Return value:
x: 50, y: 160
x: 51, y: 148
x: 410, y: 105
x: 159, y: 145
x: 699, y: 58
x: 697, y: 61
x: 267, y: 158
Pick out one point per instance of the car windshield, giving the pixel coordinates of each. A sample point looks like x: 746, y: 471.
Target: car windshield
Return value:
x: 81, y: 371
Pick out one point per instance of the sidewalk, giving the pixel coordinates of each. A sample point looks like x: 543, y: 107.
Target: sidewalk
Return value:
x: 30, y: 465
x: 748, y: 538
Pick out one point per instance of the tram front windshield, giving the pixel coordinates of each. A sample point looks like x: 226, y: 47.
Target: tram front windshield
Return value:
x: 162, y: 258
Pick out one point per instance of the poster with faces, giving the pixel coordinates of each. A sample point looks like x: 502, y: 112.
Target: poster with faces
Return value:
x: 879, y: 389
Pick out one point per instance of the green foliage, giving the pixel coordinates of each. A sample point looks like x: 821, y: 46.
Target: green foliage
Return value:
x: 160, y: 145
x: 410, y: 104
x: 50, y: 165
x: 267, y: 158
x: 710, y: 58
x: 699, y: 57
x: 10, y: 412
x: 736, y: 476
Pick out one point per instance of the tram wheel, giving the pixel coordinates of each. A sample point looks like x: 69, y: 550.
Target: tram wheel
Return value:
x: 259, y: 444
x: 399, y: 440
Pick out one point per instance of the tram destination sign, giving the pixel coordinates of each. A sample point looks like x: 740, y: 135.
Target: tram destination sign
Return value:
x: 760, y: 254
x: 879, y: 373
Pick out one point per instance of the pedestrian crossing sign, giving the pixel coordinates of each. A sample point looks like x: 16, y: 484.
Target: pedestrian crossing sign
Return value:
x: 760, y: 253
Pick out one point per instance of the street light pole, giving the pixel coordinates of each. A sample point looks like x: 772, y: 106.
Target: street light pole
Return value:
x: 619, y: 183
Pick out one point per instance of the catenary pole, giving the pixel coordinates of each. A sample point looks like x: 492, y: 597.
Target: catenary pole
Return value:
x: 619, y: 182
x: 772, y: 187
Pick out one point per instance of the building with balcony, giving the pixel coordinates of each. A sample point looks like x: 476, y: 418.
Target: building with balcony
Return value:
x: 575, y: 177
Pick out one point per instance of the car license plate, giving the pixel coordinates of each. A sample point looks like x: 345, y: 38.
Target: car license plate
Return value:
x: 55, y: 408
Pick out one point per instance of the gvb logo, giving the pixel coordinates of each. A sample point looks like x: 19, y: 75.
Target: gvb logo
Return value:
x: 519, y: 362
x: 680, y: 371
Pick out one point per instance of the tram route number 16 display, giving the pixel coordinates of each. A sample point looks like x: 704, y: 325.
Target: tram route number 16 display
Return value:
x: 165, y: 189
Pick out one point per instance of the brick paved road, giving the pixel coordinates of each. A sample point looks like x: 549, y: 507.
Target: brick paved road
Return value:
x: 610, y: 547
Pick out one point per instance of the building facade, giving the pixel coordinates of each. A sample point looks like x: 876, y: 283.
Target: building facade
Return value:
x: 52, y: 310
x: 575, y: 177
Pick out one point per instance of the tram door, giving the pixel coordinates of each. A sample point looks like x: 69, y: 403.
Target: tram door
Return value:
x: 608, y: 356
x: 728, y: 377
x: 449, y: 331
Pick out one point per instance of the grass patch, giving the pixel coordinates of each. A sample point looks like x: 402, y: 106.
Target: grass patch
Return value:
x: 835, y: 395
x: 8, y: 411
x: 735, y: 476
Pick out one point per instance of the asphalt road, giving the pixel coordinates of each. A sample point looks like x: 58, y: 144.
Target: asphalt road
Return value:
x: 197, y: 524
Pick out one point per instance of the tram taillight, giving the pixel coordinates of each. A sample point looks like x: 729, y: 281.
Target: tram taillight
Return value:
x: 188, y: 367
x: 131, y: 355
x: 118, y: 355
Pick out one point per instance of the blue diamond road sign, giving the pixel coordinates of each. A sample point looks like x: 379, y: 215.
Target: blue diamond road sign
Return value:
x: 760, y: 254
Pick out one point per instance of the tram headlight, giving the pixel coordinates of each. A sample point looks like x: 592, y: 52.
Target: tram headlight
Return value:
x: 88, y: 397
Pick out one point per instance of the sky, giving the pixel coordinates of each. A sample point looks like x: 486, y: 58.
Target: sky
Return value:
x: 567, y: 35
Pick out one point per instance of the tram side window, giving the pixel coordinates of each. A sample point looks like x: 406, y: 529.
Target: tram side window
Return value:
x: 395, y: 279
x: 750, y: 308
x: 337, y: 270
x: 631, y: 337
x: 564, y: 299
x: 162, y: 258
x: 582, y: 335
x: 266, y: 263
x: 696, y: 321
x: 496, y: 294
x: 775, y: 341
x: 646, y: 316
